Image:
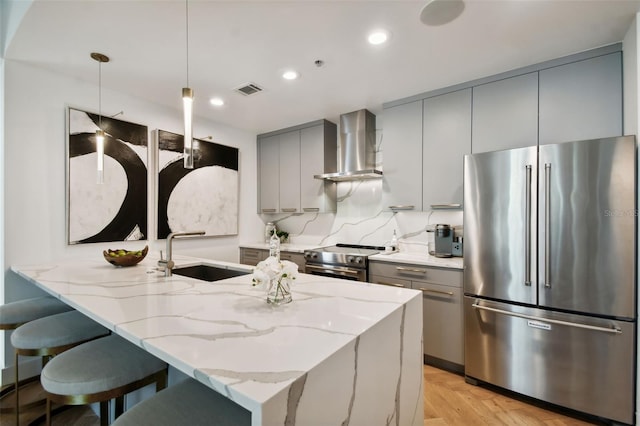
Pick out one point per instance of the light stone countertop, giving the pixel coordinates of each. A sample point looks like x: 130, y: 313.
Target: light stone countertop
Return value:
x: 422, y: 259
x: 342, y: 351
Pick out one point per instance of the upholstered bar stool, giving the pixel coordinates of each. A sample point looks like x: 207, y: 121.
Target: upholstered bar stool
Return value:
x: 52, y: 335
x: 186, y: 403
x: 12, y: 316
x: 98, y: 371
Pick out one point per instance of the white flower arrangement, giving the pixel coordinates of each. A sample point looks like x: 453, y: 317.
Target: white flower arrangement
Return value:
x: 277, y: 276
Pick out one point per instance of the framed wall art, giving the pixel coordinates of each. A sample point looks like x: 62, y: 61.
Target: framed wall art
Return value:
x: 203, y: 198
x: 115, y: 210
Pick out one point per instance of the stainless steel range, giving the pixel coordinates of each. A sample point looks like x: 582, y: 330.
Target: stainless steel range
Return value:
x: 346, y: 261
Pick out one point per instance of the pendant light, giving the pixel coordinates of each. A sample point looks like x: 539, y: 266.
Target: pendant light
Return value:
x: 100, y: 133
x: 187, y: 104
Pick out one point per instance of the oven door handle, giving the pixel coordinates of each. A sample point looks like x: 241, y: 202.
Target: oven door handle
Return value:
x: 333, y: 269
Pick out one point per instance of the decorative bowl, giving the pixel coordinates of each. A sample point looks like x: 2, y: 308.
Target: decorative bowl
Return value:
x: 122, y: 257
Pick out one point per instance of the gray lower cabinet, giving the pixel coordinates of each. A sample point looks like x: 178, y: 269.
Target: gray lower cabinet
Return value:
x: 251, y: 256
x: 443, y: 333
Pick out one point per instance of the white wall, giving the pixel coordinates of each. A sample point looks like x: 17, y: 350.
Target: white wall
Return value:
x: 631, y: 64
x: 35, y: 158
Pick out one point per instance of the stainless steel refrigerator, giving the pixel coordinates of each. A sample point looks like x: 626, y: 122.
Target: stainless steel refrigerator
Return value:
x: 550, y: 273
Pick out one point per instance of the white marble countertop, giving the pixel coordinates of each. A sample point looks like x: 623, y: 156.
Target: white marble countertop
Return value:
x: 341, y: 350
x: 294, y: 248
x: 423, y: 259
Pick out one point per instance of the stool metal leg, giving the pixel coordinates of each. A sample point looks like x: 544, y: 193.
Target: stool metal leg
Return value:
x: 48, y: 423
x: 104, y: 413
x: 119, y: 406
x: 17, y: 385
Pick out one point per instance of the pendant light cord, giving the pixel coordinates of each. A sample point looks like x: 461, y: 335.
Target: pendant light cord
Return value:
x: 100, y: 94
x: 187, y: 36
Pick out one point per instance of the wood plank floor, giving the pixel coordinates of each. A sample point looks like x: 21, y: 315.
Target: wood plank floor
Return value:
x: 448, y: 401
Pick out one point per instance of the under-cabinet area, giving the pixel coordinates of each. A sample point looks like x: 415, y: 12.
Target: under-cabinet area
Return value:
x: 443, y: 337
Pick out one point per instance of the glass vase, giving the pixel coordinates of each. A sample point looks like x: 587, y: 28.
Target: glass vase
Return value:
x: 279, y: 291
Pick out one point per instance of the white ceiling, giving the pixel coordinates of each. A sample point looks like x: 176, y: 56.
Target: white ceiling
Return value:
x: 235, y: 42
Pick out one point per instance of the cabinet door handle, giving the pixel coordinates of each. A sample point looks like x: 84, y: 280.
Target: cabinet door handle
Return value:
x: 289, y: 210
x: 392, y: 284
x: 268, y: 210
x: 405, y: 269
x: 311, y: 209
x: 402, y: 207
x: 428, y: 290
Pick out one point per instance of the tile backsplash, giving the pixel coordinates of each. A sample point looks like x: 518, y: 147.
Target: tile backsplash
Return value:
x: 361, y: 218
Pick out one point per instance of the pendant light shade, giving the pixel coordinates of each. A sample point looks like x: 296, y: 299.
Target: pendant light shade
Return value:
x: 187, y: 105
x: 100, y: 152
x: 100, y: 58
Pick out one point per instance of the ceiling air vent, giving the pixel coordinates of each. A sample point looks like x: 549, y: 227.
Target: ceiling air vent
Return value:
x: 248, y: 89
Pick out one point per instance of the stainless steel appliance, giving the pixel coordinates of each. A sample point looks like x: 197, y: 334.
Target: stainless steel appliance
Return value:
x: 356, y: 148
x: 550, y: 273
x: 443, y: 240
x: 347, y: 261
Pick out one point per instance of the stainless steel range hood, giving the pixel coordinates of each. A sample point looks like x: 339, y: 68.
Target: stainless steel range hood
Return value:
x: 356, y: 149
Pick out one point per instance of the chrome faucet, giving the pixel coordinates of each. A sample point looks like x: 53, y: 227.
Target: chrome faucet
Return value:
x: 167, y: 264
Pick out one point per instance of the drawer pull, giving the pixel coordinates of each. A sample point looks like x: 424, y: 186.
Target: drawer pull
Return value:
x: 428, y: 290
x: 268, y: 210
x: 289, y: 210
x: 392, y: 284
x: 311, y: 209
x: 405, y: 269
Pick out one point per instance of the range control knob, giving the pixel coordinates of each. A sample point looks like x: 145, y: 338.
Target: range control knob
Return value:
x: 358, y: 260
x: 350, y: 259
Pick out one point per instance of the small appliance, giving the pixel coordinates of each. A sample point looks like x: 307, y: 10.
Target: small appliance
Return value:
x: 443, y: 240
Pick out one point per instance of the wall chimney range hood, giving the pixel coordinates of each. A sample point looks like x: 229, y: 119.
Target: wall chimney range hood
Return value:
x: 356, y: 148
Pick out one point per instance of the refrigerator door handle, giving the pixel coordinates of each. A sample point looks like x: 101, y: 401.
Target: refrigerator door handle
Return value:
x: 547, y: 224
x: 614, y: 330
x: 527, y: 231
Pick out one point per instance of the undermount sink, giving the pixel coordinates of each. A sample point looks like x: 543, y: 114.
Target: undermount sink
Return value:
x: 208, y: 272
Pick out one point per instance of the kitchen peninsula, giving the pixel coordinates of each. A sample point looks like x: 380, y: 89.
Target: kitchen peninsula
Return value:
x: 341, y: 353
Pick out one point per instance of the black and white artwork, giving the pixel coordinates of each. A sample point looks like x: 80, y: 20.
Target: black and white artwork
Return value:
x: 115, y: 210
x: 203, y: 198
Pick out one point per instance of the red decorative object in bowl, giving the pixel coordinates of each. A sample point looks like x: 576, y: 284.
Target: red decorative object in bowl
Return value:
x: 122, y: 257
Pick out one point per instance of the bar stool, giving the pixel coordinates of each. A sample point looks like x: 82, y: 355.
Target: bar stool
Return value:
x: 52, y: 335
x: 98, y: 371
x: 15, y: 314
x: 186, y: 403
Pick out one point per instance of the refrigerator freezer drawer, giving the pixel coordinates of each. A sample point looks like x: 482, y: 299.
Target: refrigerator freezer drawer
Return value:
x: 578, y: 362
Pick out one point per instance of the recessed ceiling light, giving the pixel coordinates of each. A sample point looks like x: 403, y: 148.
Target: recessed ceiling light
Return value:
x: 216, y: 101
x: 290, y: 75
x: 378, y: 37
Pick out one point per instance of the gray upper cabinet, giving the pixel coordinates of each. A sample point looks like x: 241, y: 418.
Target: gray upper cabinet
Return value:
x: 581, y: 100
x: 269, y: 175
x: 402, y: 156
x: 316, y: 145
x: 287, y: 162
x: 290, y: 172
x: 505, y: 114
x: 446, y: 139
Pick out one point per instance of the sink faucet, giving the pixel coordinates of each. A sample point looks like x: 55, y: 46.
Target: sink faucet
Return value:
x: 167, y: 264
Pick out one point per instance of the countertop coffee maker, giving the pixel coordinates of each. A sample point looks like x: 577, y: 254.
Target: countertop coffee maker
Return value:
x: 446, y: 243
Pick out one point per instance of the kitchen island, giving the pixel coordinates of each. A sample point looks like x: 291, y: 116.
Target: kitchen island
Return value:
x: 342, y: 352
